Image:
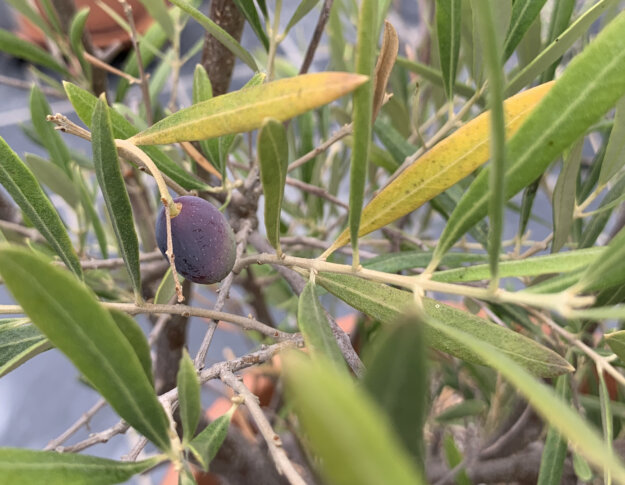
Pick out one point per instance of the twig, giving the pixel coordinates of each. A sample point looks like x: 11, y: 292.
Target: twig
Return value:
x: 274, y: 443
x: 93, y: 60
x: 116, y: 262
x: 101, y: 437
x: 200, y: 159
x: 188, y: 311
x: 82, y: 421
x: 224, y: 291
x: 319, y: 244
x: 136, y: 450
x: 314, y: 42
x: 145, y: 91
x: 318, y: 191
x: 339, y: 135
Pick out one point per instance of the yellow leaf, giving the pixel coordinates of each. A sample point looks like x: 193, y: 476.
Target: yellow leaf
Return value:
x: 246, y: 109
x: 442, y: 166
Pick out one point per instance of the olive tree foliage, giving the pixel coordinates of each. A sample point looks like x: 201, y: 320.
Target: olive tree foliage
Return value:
x: 449, y: 173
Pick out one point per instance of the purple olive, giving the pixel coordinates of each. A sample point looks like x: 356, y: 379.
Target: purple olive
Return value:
x: 203, y: 241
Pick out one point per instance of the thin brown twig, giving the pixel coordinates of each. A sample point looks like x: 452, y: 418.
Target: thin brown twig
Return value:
x: 337, y: 136
x: 315, y: 190
x: 274, y: 443
x: 316, y: 38
x: 82, y: 421
x: 94, y: 61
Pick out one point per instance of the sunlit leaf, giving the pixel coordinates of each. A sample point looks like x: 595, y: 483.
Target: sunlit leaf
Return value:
x: 442, y: 166
x: 245, y: 110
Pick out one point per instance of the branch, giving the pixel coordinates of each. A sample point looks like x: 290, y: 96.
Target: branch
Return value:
x: 274, y: 443
x: 314, y: 42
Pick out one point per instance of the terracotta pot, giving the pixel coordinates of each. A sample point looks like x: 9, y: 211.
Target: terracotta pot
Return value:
x: 103, y: 29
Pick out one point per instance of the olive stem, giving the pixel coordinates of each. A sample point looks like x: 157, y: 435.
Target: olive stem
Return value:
x: 170, y: 252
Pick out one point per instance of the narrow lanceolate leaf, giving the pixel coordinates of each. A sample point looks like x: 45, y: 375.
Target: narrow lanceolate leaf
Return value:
x: 113, y: 188
x: 542, y: 398
x: 54, y: 178
x: 159, y: 12
x: 554, y: 452
x: 492, y: 62
x: 524, y: 12
x: 84, y: 103
x: 614, y: 157
x: 384, y: 66
x: 51, y: 139
x: 20, y: 341
x: 216, y: 31
x: 189, y: 397
x: 246, y: 109
x: 23, y: 467
x: 302, y: 9
x: 22, y: 49
x: 21, y: 184
x: 552, y: 263
x: 616, y: 342
x: 273, y: 158
x: 362, y: 447
x: 136, y: 338
x: 448, y: 16
x: 387, y: 304
x: 206, y: 444
x: 564, y: 197
x: 313, y: 324
x: 69, y: 315
x: 362, y: 116
x: 76, y: 31
x: 559, y: 46
x: 608, y: 270
x: 248, y: 9
x: 442, y: 166
x: 397, y: 380
x: 573, y: 104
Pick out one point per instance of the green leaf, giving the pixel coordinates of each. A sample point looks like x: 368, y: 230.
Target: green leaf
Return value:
x: 542, y: 398
x: 346, y: 429
x: 387, y: 304
x: 616, y: 342
x: 573, y: 104
x: 51, y: 139
x: 248, y: 9
x: 394, y: 262
x: 363, y: 105
x: 202, y: 87
x: 448, y: 19
x: 273, y: 158
x: 524, y: 12
x: 396, y: 379
x: 560, y: 19
x: 76, y: 31
x: 313, y: 323
x: 608, y: 269
x: 19, y: 342
x: 32, y: 14
x: 582, y: 469
x: 454, y: 458
x: 91, y: 212
x: 69, y: 315
x: 22, y: 49
x: 189, y: 397
x: 564, y: 197
x: 84, y: 104
x: 246, y: 109
x: 468, y: 407
x: 24, y: 467
x: 434, y: 76
x: 136, y: 338
x: 302, y: 9
x: 159, y: 12
x: 54, y: 178
x: 492, y: 61
x: 597, y: 223
x: 558, y: 46
x: 216, y: 31
x: 114, y: 191
x: 206, y: 444
x: 22, y: 186
x: 552, y: 263
x: 614, y: 157
x: 166, y: 289
x: 554, y: 452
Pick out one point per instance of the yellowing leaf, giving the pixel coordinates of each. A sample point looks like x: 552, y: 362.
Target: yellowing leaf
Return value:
x: 246, y: 109
x: 441, y: 167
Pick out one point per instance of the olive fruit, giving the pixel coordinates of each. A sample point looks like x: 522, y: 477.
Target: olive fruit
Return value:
x: 203, y: 241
